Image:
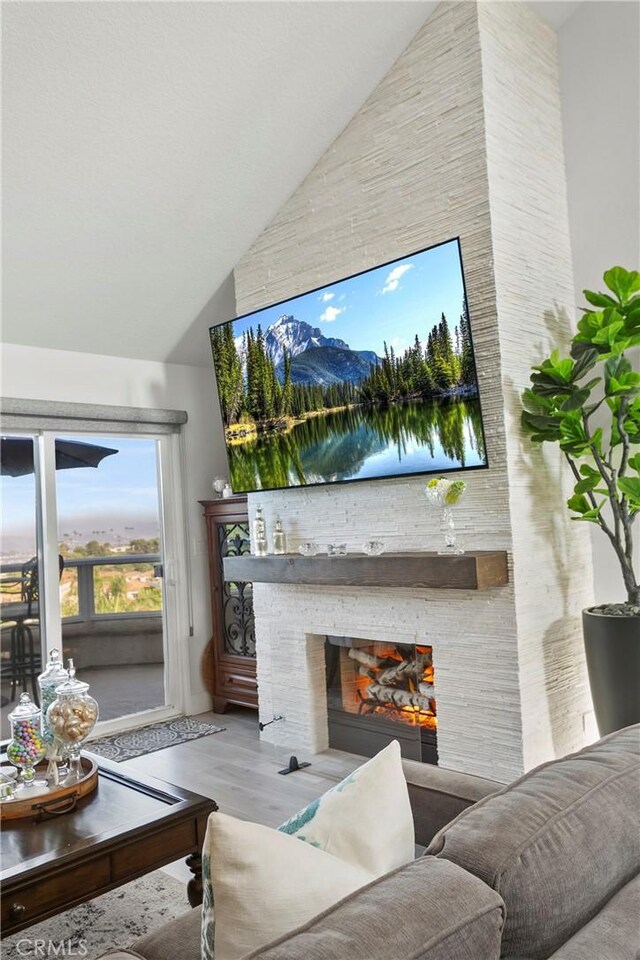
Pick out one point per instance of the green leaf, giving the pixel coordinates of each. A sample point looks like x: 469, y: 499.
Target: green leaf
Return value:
x: 535, y: 402
x: 588, y: 471
x: 598, y: 299
x: 542, y: 427
x: 608, y: 335
x: 634, y: 462
x: 576, y: 400
x: 580, y: 347
x: 578, y: 503
x: 573, y: 436
x: 584, y: 362
x: 596, y: 440
x: 624, y: 283
x: 630, y: 487
x: 628, y: 383
x: 586, y: 485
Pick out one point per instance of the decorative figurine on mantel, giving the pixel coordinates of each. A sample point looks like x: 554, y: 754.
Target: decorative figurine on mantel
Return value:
x: 219, y: 483
x: 444, y: 493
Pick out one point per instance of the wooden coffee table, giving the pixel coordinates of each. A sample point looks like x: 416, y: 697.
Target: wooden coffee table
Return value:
x: 132, y: 824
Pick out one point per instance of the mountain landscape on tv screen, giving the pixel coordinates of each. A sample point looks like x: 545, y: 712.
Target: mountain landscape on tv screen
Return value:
x: 372, y: 376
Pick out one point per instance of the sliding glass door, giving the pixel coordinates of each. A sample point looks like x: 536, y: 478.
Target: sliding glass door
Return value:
x: 21, y: 635
x: 92, y: 511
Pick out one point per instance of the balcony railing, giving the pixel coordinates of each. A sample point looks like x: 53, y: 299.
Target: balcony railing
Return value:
x: 85, y: 579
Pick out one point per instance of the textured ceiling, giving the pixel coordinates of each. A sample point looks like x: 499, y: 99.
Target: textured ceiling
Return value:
x: 147, y: 144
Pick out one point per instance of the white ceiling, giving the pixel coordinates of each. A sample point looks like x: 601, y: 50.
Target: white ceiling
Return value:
x: 147, y: 144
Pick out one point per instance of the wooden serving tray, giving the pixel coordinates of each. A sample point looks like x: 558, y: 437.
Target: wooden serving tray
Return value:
x: 45, y: 802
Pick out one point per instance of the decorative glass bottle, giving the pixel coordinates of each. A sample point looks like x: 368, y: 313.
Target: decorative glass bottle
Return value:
x: 72, y: 716
x: 27, y: 747
x: 279, y: 538
x: 259, y: 534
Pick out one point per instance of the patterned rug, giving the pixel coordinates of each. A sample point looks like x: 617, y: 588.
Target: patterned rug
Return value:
x: 115, y: 919
x: 157, y: 736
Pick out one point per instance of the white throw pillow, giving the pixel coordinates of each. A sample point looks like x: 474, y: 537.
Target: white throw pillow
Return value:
x: 264, y: 883
x: 346, y: 820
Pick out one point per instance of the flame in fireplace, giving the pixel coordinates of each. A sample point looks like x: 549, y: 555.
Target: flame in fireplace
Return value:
x: 396, y: 682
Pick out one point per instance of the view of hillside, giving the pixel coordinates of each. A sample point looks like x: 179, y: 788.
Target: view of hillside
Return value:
x: 117, y: 588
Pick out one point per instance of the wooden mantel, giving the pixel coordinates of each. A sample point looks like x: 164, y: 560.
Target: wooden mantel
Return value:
x: 476, y: 570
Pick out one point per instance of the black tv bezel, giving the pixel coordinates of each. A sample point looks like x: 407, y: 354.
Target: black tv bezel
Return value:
x: 393, y: 476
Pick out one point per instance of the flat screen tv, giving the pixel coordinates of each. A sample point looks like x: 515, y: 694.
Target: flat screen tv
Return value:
x: 367, y: 377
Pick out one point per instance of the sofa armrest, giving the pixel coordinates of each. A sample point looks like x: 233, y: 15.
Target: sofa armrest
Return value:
x: 438, y: 795
x: 419, y: 911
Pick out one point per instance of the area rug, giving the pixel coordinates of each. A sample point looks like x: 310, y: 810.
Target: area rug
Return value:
x: 157, y: 736
x: 115, y: 919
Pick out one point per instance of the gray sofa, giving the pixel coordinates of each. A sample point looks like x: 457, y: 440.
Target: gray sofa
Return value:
x: 547, y: 867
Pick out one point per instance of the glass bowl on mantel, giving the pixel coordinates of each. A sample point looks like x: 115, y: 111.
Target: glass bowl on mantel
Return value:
x: 309, y: 549
x: 373, y: 548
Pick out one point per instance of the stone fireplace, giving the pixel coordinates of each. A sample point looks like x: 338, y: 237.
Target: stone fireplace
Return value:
x: 463, y: 137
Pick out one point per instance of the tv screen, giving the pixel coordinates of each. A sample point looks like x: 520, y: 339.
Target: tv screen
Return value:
x: 371, y: 376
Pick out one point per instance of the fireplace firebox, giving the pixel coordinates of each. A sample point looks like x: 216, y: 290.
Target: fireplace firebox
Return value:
x: 377, y: 692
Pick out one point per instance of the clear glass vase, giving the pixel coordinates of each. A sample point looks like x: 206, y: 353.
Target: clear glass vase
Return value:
x: 444, y: 494
x: 451, y: 544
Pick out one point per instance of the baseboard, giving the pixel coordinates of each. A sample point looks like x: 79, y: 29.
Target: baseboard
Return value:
x: 198, y: 703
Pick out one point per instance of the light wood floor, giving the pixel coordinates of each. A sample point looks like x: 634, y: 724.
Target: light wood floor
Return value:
x: 241, y: 773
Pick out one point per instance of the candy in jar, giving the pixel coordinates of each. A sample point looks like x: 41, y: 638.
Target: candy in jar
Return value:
x: 27, y: 748
x: 71, y: 717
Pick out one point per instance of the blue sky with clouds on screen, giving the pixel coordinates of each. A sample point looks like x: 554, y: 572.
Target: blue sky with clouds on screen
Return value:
x: 390, y: 303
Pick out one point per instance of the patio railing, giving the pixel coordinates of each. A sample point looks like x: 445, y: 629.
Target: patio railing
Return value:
x: 85, y: 576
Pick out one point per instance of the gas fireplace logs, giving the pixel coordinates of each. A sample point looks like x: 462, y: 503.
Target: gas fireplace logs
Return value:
x: 400, y: 683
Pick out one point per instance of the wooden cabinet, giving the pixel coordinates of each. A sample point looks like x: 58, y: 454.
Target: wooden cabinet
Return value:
x: 229, y: 661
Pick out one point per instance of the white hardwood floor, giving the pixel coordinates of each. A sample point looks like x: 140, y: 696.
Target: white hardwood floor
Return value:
x: 241, y: 774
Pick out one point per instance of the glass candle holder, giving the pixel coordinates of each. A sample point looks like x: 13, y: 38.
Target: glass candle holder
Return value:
x: 27, y: 748
x: 337, y: 550
x: 72, y: 716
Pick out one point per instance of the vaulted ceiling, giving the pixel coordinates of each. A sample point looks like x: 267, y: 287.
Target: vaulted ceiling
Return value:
x: 147, y: 144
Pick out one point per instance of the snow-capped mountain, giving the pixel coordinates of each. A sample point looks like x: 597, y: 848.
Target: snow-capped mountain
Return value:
x: 296, y: 336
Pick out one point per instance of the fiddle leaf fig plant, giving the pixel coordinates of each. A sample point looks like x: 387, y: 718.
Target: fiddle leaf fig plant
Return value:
x: 589, y: 404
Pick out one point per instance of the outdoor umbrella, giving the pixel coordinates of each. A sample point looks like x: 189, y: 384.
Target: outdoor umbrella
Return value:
x: 16, y: 455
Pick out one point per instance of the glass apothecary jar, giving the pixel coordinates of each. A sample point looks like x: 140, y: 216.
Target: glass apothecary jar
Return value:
x: 48, y: 682
x: 27, y: 748
x: 72, y: 716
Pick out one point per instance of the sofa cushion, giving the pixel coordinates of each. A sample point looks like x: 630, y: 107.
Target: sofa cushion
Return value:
x: 177, y: 940
x: 427, y: 910
x: 613, y: 934
x: 345, y: 821
x: 555, y: 844
x: 264, y: 884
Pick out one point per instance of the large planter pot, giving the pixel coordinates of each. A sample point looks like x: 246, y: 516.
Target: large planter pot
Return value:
x: 612, y: 646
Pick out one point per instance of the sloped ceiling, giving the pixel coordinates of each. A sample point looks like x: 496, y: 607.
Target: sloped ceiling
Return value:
x: 147, y: 144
